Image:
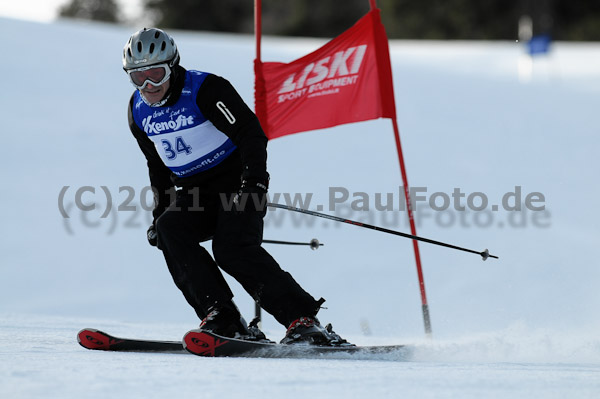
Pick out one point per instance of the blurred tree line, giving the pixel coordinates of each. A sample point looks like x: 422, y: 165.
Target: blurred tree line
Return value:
x: 403, y: 19
x: 96, y: 10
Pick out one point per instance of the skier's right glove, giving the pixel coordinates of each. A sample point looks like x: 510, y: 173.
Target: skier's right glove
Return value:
x: 152, y: 236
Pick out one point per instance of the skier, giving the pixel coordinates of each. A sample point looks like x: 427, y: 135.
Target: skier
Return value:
x: 206, y: 155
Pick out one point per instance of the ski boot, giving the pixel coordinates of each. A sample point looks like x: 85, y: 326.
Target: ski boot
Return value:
x: 308, y: 330
x: 225, y: 320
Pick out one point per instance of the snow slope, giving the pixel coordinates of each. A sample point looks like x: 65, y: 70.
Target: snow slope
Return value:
x: 472, y: 116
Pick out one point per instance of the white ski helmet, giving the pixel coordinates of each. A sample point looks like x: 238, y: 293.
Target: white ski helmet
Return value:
x: 150, y: 46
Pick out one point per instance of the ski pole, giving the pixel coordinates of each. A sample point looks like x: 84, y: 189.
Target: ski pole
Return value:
x: 313, y: 244
x: 484, y: 254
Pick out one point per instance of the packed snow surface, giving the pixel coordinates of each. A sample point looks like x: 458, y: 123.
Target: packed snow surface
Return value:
x: 480, y: 117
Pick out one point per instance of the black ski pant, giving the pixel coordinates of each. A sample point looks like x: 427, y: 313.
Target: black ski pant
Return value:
x: 236, y: 243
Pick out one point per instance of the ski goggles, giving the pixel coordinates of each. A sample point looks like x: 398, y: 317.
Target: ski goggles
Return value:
x: 156, y: 75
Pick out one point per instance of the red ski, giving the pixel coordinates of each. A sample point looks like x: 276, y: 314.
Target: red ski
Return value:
x: 207, y: 344
x: 91, y: 338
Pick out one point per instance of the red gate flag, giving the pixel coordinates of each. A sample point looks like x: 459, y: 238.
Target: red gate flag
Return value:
x: 347, y: 80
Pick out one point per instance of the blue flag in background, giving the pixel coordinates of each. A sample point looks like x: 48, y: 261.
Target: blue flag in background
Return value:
x: 539, y: 44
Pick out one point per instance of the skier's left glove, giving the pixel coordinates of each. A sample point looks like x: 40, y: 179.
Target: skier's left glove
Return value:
x: 252, y: 194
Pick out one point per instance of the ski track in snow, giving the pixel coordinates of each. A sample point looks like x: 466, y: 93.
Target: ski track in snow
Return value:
x: 40, y: 358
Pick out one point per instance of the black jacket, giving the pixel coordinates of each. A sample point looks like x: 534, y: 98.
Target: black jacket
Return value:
x: 249, y: 159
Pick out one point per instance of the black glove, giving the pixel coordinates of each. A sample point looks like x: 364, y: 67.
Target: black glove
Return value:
x: 152, y: 236
x: 251, y: 195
